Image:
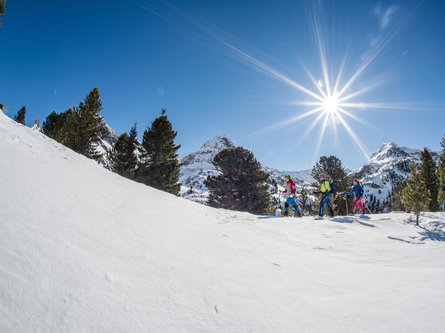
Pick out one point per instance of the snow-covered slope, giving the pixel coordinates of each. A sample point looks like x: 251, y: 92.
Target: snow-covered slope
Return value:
x: 388, y: 166
x: 84, y: 250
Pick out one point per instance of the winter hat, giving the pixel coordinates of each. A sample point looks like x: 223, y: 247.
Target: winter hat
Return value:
x: 288, y: 177
x: 355, y: 181
x: 322, y: 176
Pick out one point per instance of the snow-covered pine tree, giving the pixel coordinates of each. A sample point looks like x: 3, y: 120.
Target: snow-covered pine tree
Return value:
x: 416, y: 196
x: 123, y: 157
x: 428, y: 170
x: 20, y: 117
x: 241, y: 184
x: 161, y: 166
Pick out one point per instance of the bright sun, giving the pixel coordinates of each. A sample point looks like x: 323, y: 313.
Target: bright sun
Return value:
x: 331, y: 104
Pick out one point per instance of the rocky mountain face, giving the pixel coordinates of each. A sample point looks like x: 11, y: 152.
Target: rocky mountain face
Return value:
x: 387, y: 167
x: 197, y: 166
x: 109, y: 138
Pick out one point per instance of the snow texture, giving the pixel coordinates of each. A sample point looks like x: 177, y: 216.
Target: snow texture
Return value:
x: 85, y: 250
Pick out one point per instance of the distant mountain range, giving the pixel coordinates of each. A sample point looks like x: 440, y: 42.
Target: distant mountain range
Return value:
x: 388, y: 166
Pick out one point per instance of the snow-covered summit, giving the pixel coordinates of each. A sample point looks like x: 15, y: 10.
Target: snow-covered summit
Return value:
x: 197, y: 166
x: 387, y: 167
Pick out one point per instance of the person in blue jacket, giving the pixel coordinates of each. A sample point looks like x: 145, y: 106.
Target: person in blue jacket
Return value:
x: 358, y: 191
x: 325, y: 190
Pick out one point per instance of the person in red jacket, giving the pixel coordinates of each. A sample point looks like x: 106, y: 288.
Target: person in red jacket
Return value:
x: 291, y: 196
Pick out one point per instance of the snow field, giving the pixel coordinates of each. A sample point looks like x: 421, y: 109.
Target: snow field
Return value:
x: 85, y: 250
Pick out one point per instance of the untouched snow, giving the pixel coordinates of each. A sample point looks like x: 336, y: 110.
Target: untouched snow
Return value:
x: 84, y: 250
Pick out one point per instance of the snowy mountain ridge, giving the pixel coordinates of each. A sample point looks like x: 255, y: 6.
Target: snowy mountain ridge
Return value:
x: 388, y: 166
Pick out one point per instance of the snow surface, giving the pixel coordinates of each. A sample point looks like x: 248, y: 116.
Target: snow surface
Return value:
x: 85, y: 250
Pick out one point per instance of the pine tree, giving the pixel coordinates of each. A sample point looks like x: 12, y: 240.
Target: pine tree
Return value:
x: 441, y: 174
x: 20, y: 117
x: 304, y: 201
x: 397, y: 194
x: 122, y: 157
x: 2, y: 9
x: 68, y: 133
x: 416, y: 196
x: 52, y: 124
x: 241, y: 184
x: 161, y: 166
x: 79, y: 128
x: 428, y: 170
x: 332, y: 168
x: 91, y: 125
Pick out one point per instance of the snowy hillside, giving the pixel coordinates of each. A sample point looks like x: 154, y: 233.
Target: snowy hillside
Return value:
x: 386, y: 168
x: 84, y: 250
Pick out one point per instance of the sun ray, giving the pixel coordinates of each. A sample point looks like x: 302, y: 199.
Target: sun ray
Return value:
x: 357, y: 93
x: 284, y: 123
x: 354, y: 137
x: 310, y: 128
x: 350, y: 115
x: 321, y: 136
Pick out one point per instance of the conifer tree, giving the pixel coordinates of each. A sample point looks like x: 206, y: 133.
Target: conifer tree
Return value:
x: 91, y: 125
x: 122, y: 157
x: 332, y: 168
x: 304, y: 199
x: 20, y: 117
x: 2, y: 9
x: 441, y: 175
x: 416, y: 196
x: 161, y: 166
x: 397, y: 194
x: 241, y: 184
x: 428, y: 170
x: 52, y: 124
x: 79, y: 128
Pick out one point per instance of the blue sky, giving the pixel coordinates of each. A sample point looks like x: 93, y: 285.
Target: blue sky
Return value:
x: 238, y: 68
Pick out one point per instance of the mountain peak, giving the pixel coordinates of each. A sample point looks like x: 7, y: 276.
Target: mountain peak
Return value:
x: 219, y: 142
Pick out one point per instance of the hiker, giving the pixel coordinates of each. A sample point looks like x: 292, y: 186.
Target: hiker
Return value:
x: 325, y: 190
x: 291, y: 196
x: 358, y: 191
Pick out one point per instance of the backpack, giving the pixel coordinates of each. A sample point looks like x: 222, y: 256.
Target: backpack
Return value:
x: 332, y: 186
x: 293, y: 190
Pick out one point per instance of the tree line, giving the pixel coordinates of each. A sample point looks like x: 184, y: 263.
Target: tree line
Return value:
x: 240, y: 183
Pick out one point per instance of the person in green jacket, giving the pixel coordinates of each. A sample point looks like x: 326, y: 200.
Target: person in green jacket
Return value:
x: 325, y: 190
